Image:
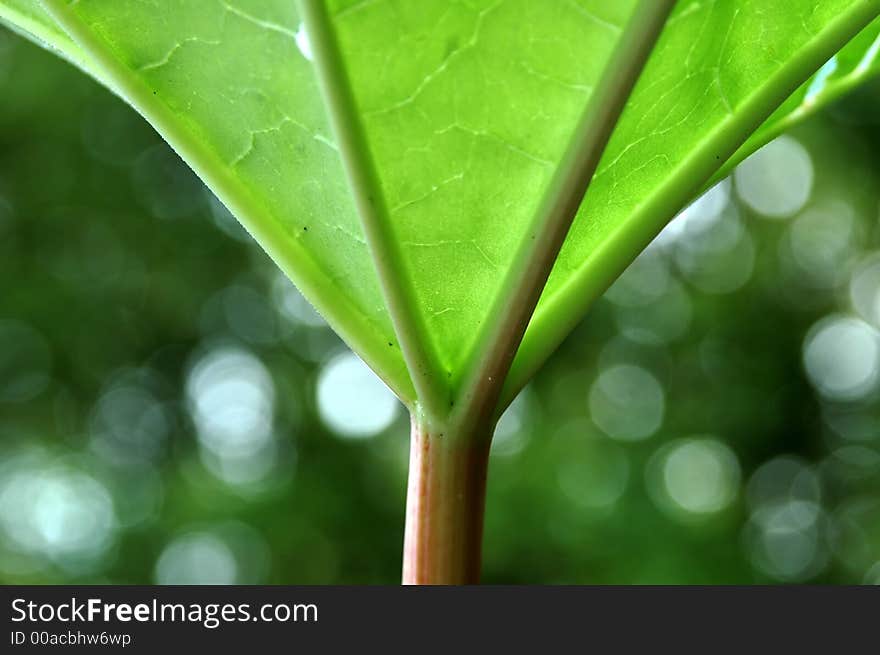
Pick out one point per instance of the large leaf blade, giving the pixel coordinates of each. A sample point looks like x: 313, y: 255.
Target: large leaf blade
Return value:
x: 268, y: 153
x: 461, y: 218
x: 466, y: 136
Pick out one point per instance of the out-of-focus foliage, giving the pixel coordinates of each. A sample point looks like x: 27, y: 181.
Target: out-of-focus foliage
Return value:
x: 171, y: 411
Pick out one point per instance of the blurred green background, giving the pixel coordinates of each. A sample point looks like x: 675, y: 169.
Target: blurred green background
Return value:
x: 172, y: 411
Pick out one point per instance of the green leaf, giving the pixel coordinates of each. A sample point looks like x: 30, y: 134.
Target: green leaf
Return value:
x: 453, y: 119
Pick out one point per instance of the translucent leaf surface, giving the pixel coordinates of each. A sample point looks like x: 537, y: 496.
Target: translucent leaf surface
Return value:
x: 466, y: 109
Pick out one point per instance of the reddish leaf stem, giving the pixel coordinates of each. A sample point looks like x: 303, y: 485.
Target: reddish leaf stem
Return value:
x: 444, y: 507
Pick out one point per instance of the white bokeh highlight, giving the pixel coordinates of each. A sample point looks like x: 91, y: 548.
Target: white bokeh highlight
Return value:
x: 777, y: 180
x: 627, y: 402
x: 352, y: 401
x: 842, y: 358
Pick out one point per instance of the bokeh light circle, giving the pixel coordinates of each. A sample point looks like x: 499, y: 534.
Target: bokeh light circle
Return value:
x: 352, y: 401
x: 696, y: 476
x: 777, y: 180
x: 196, y: 558
x: 627, y: 402
x: 842, y: 358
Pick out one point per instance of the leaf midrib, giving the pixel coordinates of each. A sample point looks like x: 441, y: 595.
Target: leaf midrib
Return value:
x: 412, y: 334
x: 496, y: 346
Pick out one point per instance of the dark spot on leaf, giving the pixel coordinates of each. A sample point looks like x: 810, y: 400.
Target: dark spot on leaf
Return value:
x: 389, y: 343
x: 305, y: 228
x: 451, y: 45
